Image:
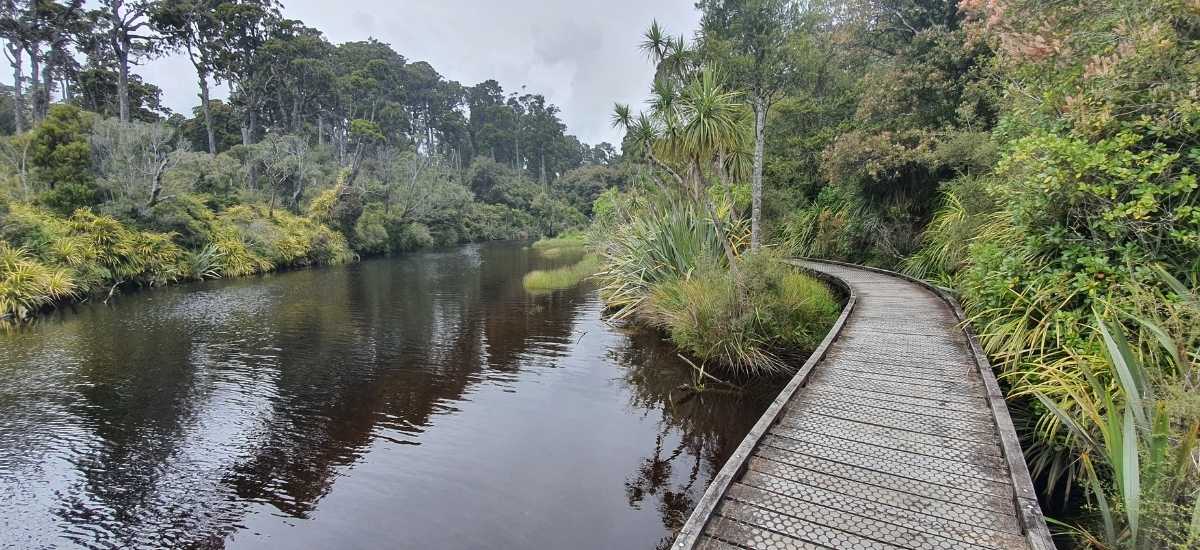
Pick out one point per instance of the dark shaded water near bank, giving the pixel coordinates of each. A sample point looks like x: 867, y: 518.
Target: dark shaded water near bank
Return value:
x: 425, y: 401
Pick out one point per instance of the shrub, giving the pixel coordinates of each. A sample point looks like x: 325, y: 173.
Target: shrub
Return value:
x: 282, y: 239
x: 415, y: 236
x: 61, y: 159
x: 185, y: 216
x: 742, y: 325
x: 218, y: 177
x: 657, y: 240
x: 371, y: 233
x: 27, y: 285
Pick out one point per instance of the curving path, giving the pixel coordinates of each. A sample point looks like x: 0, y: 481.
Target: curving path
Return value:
x: 894, y: 434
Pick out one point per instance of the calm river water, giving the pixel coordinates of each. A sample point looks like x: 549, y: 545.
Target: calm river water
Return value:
x: 425, y: 401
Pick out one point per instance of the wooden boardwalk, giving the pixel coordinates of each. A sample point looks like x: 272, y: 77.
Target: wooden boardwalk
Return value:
x: 893, y: 435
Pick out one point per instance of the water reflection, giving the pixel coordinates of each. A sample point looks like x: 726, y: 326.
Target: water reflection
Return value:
x: 423, y: 401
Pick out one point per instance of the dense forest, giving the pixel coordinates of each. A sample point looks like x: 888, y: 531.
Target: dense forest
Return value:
x: 323, y: 153
x: 1038, y: 158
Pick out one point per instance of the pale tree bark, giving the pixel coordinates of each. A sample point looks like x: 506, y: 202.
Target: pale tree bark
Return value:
x: 123, y: 83
x: 756, y: 189
x: 156, y: 185
x: 35, y: 80
x: 204, y: 107
x: 15, y: 57
x: 125, y: 22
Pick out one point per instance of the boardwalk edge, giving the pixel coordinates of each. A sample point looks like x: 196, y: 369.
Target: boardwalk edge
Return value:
x: 690, y: 533
x: 1029, y: 511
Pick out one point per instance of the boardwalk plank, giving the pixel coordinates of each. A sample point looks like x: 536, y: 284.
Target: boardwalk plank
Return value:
x: 893, y: 438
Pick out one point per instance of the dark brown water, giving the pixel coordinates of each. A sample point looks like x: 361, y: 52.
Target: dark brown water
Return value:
x: 418, y: 402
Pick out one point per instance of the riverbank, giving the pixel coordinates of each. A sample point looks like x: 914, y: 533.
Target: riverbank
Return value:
x: 48, y: 260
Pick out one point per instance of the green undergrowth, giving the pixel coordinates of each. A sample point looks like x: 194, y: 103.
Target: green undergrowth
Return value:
x: 663, y: 266
x: 746, y: 321
x: 46, y: 258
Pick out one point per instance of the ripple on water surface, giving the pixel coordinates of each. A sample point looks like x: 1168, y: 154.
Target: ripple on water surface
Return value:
x: 421, y: 401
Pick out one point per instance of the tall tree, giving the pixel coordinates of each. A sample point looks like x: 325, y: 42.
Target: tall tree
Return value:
x: 126, y: 28
x: 300, y: 60
x: 690, y: 128
x: 192, y: 25
x: 749, y: 39
x: 16, y: 29
x: 245, y: 26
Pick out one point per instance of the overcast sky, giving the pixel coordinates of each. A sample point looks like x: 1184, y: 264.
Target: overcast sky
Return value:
x: 581, y: 54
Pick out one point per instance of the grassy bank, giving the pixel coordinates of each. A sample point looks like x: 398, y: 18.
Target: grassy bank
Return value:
x: 46, y: 259
x: 549, y: 280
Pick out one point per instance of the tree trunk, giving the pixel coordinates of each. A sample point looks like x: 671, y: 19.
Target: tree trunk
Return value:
x: 701, y: 195
x: 756, y: 190
x: 298, y: 190
x: 208, y: 124
x: 320, y: 130
x: 18, y: 98
x: 123, y: 82
x: 35, y: 83
x: 249, y: 122
x: 156, y: 187
x: 47, y: 87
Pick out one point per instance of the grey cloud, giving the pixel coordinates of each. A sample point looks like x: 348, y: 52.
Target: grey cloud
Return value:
x: 582, y: 55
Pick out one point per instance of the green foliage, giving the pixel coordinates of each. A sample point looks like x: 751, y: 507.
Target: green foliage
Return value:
x: 284, y: 239
x: 567, y: 245
x: 218, y: 177
x: 743, y: 325
x: 379, y: 232
x: 98, y: 250
x: 566, y: 240
x: 1091, y: 207
x: 27, y: 285
x: 484, y: 222
x: 184, y: 216
x: 945, y: 244
x: 582, y: 186
x: 657, y: 239
x: 61, y: 159
x: 1136, y: 444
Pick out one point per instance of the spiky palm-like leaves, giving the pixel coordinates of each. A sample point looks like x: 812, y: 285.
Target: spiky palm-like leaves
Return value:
x: 688, y: 132
x: 27, y: 285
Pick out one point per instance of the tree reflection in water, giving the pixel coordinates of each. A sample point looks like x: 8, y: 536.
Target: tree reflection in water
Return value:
x: 697, y: 431
x: 200, y: 416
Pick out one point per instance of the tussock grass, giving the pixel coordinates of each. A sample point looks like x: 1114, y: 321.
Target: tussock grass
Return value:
x: 743, y: 325
x: 568, y: 240
x: 549, y: 280
x: 659, y: 241
x: 664, y: 265
x: 570, y: 247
